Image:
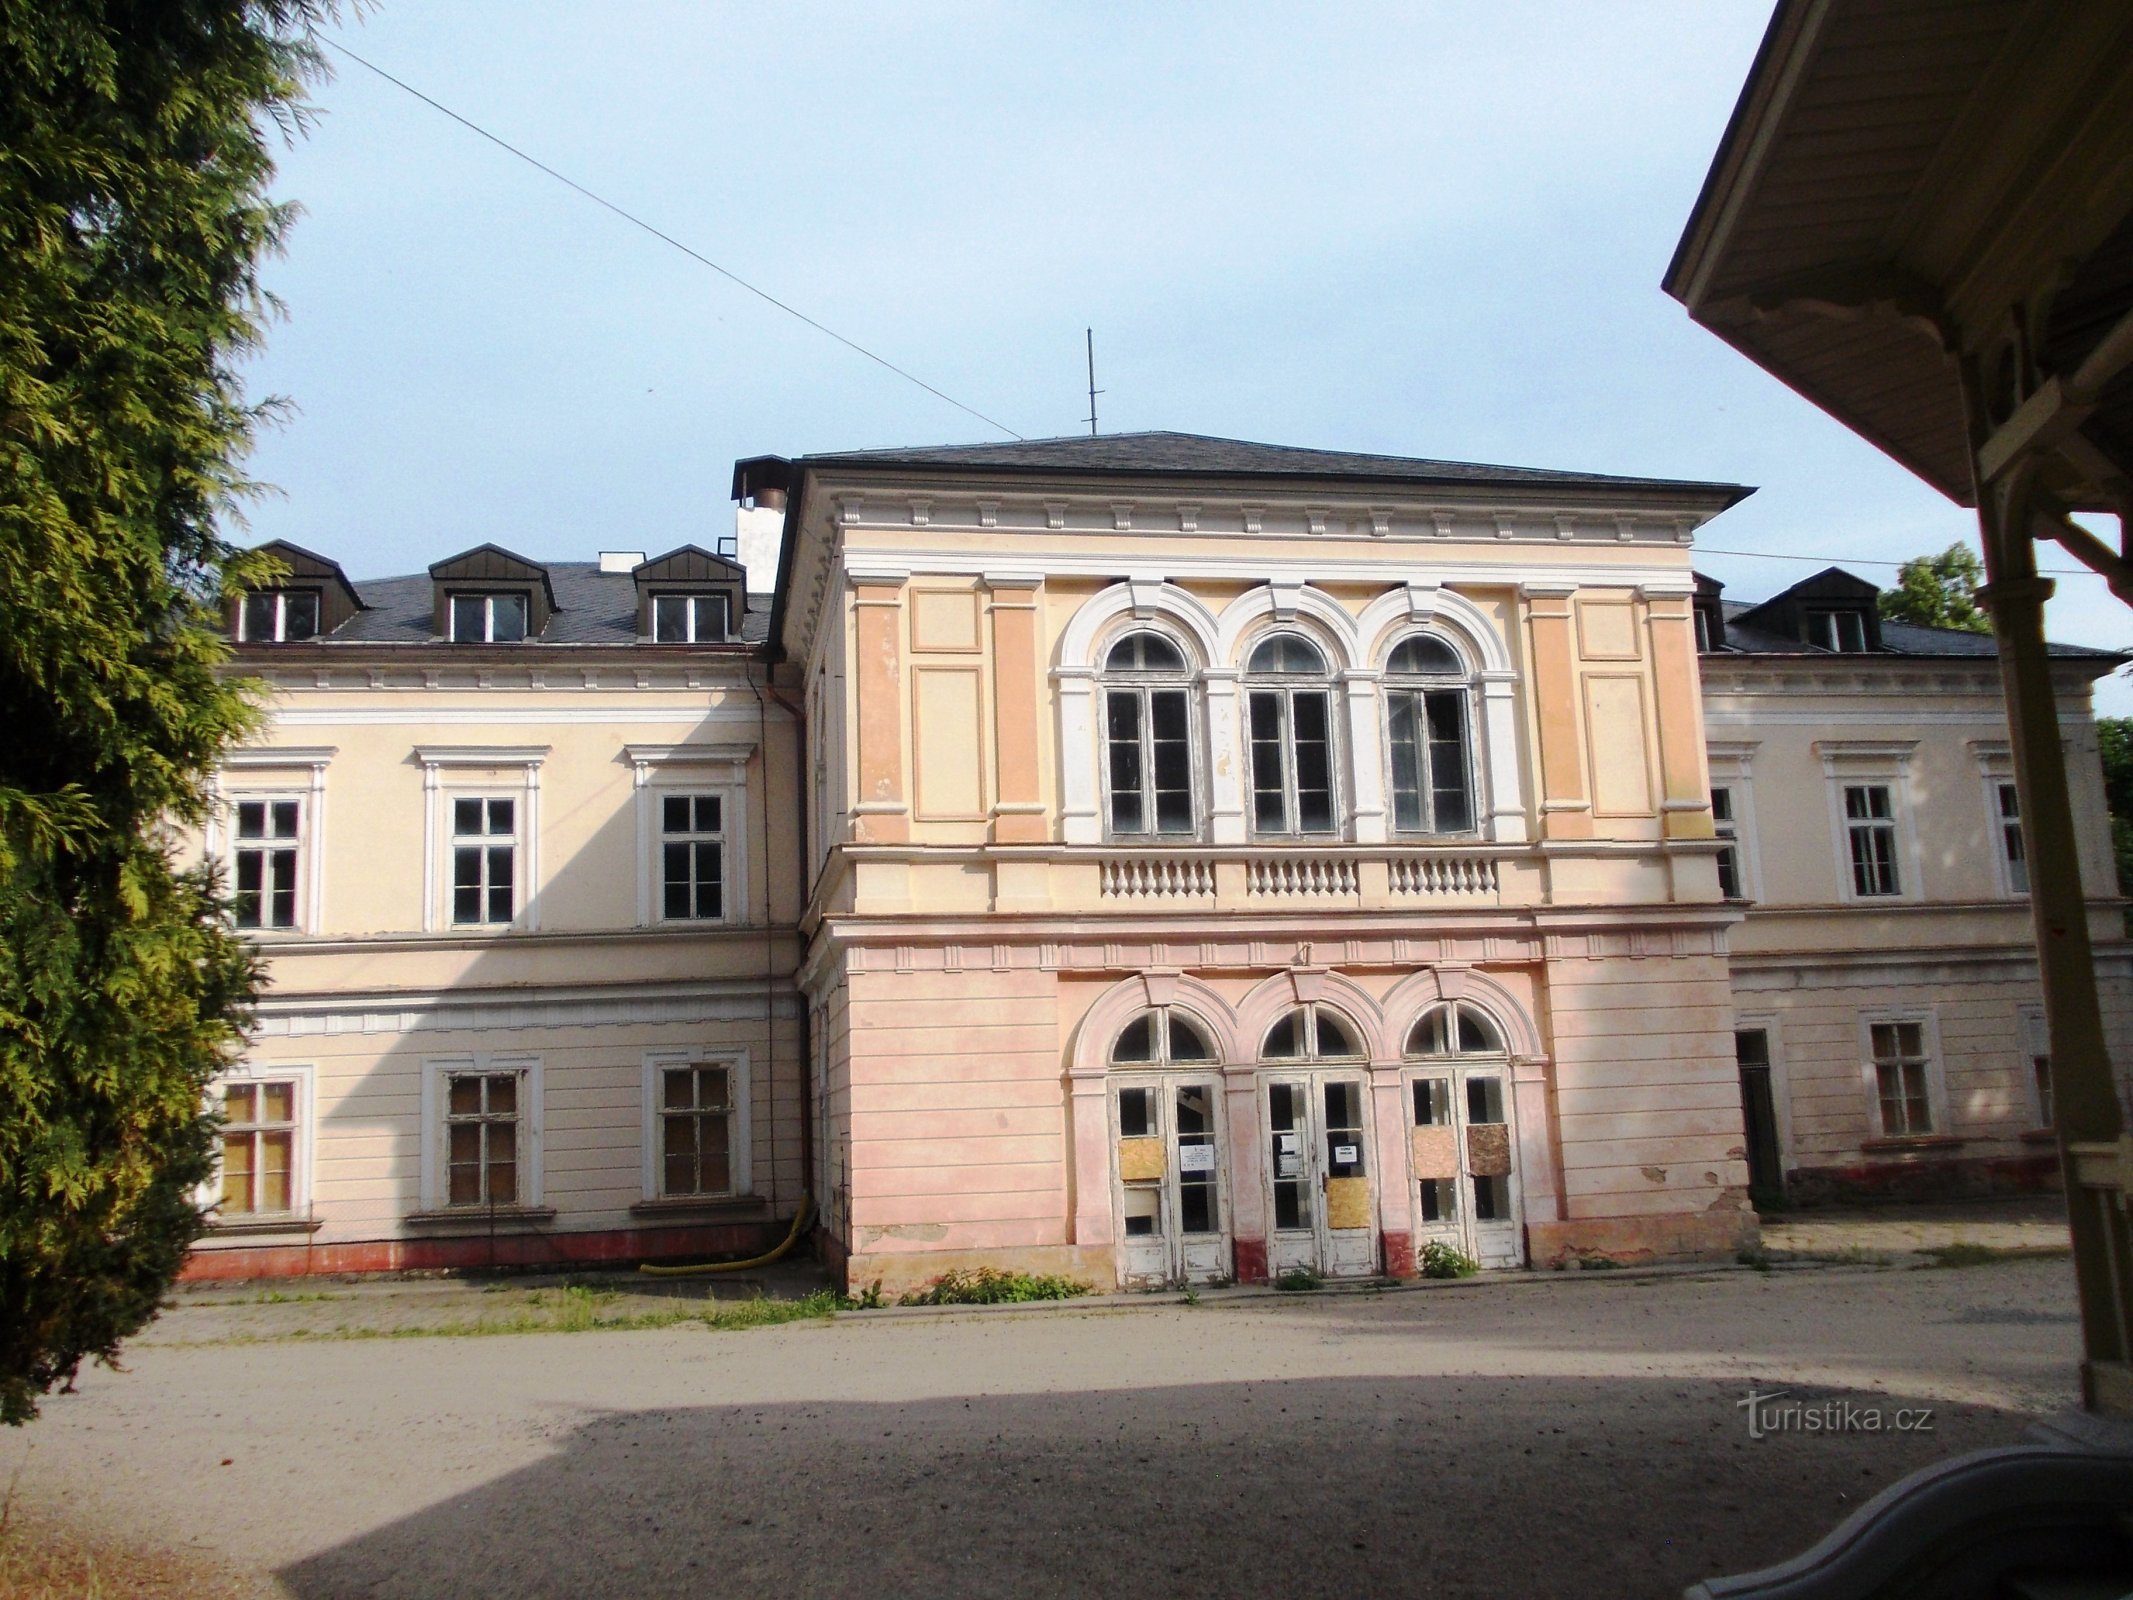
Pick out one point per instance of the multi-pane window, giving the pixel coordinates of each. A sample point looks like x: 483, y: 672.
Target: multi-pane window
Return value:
x: 1312, y: 1032
x: 1148, y: 736
x: 258, y: 1148
x: 279, y: 616
x: 481, y: 1138
x: 1290, y: 707
x: 697, y: 1119
x: 265, y: 875
x: 1727, y: 826
x: 1900, y: 1072
x: 692, y: 857
x: 689, y: 619
x: 484, y: 860
x: 1843, y: 631
x: 2007, y: 818
x: 1426, y: 716
x: 1870, y: 833
x: 488, y: 618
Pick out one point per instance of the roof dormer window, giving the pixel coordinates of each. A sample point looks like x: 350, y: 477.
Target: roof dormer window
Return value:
x: 279, y: 616
x: 1707, y: 607
x: 690, y: 619
x: 488, y: 618
x: 1842, y: 630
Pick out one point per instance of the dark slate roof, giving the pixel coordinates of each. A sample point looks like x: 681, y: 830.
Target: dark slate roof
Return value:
x: 1897, y: 639
x: 592, y: 607
x: 1234, y: 458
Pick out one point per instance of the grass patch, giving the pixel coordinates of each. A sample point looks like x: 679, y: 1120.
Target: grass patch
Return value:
x: 1963, y: 1254
x: 989, y: 1286
x: 1440, y: 1260
x: 1299, y: 1280
x: 577, y: 1308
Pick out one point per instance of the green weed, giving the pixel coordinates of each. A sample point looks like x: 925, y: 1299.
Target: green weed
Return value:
x: 989, y: 1286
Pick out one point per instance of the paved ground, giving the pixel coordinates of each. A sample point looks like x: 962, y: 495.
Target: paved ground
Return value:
x: 1578, y: 1436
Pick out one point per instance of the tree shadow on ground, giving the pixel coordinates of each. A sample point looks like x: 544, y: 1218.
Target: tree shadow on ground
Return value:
x: 1442, y: 1486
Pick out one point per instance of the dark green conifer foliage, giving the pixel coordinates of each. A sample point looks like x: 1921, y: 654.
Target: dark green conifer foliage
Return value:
x: 134, y: 164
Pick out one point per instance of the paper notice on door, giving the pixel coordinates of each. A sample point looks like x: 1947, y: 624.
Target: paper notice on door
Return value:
x: 1346, y: 1155
x: 1196, y: 1158
x: 1288, y: 1164
x: 1289, y: 1144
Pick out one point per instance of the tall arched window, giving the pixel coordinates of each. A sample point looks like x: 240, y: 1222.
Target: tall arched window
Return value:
x: 1432, y: 756
x: 1148, y: 737
x: 1290, y: 704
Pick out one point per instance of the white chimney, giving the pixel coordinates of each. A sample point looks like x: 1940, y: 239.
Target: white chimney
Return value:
x: 621, y: 560
x: 759, y: 531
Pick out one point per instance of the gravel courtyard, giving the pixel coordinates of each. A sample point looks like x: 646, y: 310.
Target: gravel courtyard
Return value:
x: 1580, y: 1436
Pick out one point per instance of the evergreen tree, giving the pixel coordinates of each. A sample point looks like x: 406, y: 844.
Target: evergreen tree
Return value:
x: 133, y: 215
x: 1939, y: 591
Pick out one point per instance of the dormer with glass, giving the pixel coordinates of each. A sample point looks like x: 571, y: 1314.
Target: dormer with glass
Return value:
x: 689, y: 596
x: 311, y: 598
x: 487, y: 595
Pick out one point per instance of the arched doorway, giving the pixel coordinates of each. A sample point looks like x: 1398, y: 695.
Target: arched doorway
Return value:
x: 1461, y: 1161
x: 1169, y: 1175
x: 1315, y: 1105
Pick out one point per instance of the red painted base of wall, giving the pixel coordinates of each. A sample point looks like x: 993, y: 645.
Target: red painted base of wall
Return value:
x: 1939, y: 1178
x: 461, y: 1253
x: 1400, y: 1255
x: 1251, y: 1260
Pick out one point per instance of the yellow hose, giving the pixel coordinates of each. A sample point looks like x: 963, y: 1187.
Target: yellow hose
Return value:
x: 799, y: 1222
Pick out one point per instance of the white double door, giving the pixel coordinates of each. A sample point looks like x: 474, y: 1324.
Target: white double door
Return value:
x: 1463, y: 1162
x: 1321, y: 1195
x: 1169, y: 1179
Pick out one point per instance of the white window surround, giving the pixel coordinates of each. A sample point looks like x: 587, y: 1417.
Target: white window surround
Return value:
x: 1732, y: 768
x: 266, y: 774
x: 1355, y: 646
x: 1189, y: 680
x: 435, y: 1069
x: 1887, y: 762
x: 1936, y: 1071
x: 1995, y: 766
x: 720, y: 769
x: 741, y: 1133
x: 1375, y: 685
x: 473, y: 769
x: 302, y: 1155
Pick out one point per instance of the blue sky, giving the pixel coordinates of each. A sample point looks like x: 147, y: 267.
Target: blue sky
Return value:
x: 1428, y: 229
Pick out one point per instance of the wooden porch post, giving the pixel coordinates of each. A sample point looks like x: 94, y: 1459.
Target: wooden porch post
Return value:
x: 2084, y: 1097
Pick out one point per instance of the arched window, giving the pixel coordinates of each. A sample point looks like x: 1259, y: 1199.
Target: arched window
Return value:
x: 1426, y: 718
x: 1455, y: 1029
x: 1312, y: 1033
x: 1161, y: 1038
x: 1148, y: 736
x: 1290, y: 704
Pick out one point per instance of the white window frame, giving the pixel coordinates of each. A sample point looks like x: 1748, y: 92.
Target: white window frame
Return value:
x: 488, y: 598
x: 1828, y: 621
x: 721, y: 769
x: 1732, y: 767
x: 2033, y: 1039
x: 1186, y: 681
x: 1850, y: 763
x: 1333, y: 687
x: 1936, y: 1072
x: 1470, y: 711
x: 482, y: 842
x: 303, y: 1148
x: 498, y: 772
x: 695, y: 600
x: 271, y: 774
x: 1995, y: 766
x: 742, y: 1131
x: 436, y: 1196
x: 281, y: 614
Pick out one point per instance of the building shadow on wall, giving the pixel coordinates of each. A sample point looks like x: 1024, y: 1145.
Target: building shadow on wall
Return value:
x: 1446, y: 1486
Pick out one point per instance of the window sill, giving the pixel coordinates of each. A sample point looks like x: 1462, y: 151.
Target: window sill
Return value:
x: 741, y: 1205
x: 1922, y: 1142
x: 464, y: 1214
x: 2040, y: 1136
x: 288, y: 1224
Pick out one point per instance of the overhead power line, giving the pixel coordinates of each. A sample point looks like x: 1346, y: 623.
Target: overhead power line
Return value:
x: 667, y: 238
x: 1868, y: 561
